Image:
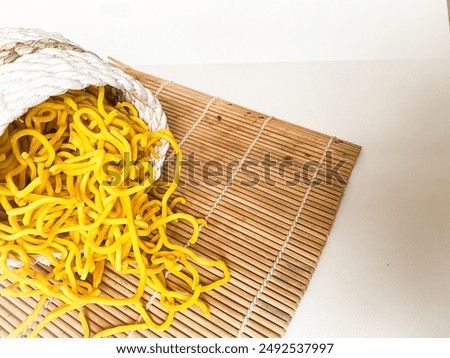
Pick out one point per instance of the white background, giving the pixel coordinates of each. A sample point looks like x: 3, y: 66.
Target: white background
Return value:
x: 197, y: 31
x: 386, y: 267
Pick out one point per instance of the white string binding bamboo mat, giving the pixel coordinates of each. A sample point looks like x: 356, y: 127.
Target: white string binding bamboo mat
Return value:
x: 271, y: 234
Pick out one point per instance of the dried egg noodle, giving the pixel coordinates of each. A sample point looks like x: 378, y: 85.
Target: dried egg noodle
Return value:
x: 77, y: 193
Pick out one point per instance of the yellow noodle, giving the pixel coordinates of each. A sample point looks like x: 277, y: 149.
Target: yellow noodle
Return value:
x: 58, y: 312
x: 37, y: 310
x: 77, y: 189
x: 84, y: 324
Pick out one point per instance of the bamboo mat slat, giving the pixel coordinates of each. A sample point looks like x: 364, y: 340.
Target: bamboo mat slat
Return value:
x: 269, y: 223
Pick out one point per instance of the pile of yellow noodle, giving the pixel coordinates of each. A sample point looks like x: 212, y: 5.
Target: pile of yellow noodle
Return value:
x: 77, y: 192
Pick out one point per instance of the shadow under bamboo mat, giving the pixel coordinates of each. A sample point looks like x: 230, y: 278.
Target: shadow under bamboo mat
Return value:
x: 270, y: 195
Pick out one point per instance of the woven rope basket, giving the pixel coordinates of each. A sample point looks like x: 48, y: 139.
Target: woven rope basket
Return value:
x: 35, y: 65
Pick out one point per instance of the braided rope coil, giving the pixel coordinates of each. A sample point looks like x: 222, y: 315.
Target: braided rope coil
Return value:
x: 35, y: 65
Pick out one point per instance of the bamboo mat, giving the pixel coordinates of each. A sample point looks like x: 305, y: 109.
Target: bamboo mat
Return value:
x: 268, y: 218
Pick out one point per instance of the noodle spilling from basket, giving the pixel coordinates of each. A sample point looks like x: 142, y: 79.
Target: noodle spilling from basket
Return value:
x: 77, y: 194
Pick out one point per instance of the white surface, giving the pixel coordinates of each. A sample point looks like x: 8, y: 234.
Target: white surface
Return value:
x: 386, y: 267
x: 215, y: 31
